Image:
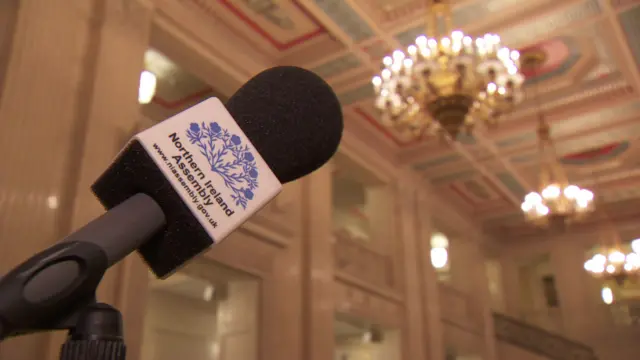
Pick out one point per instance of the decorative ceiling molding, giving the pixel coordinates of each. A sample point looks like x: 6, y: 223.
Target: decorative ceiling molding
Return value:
x: 587, y: 90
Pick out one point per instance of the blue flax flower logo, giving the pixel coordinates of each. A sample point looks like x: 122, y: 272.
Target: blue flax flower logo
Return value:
x: 228, y: 158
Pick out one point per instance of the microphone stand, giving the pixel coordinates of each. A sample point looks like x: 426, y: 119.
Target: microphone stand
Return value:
x: 96, y: 335
x: 95, y: 332
x: 55, y: 289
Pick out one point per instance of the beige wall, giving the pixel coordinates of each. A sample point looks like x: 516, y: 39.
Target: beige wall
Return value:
x: 388, y: 349
x: 220, y: 329
x: 494, y: 279
x: 507, y: 351
x: 178, y: 326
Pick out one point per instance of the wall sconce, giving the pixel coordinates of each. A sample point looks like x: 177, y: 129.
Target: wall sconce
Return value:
x: 208, y: 293
x: 635, y: 246
x: 439, y: 257
x: 607, y: 295
x: 147, y: 89
x: 439, y: 252
x: 374, y: 335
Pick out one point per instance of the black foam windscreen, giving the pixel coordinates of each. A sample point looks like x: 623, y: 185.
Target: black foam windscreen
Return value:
x: 290, y: 115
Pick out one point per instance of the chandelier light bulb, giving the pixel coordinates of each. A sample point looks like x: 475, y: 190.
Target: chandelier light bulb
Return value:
x: 594, y: 266
x: 586, y: 195
x: 571, y: 192
x: 408, y: 63
x: 503, y: 53
x: 533, y: 198
x: 551, y: 192
x: 542, y: 210
x: 616, y: 257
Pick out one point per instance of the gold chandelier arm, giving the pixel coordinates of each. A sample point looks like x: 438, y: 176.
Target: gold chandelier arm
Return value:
x: 545, y: 144
x: 550, y: 166
x: 543, y: 138
x: 548, y: 151
x: 431, y: 21
x: 438, y: 9
x: 543, y: 128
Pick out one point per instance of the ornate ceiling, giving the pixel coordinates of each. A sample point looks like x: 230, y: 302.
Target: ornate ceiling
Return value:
x: 589, y: 89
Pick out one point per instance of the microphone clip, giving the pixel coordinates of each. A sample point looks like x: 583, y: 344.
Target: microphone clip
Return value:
x: 30, y: 302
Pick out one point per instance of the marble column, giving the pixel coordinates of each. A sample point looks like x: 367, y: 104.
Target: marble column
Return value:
x: 8, y: 17
x: 70, y: 88
x: 281, y: 300
x: 510, y: 285
x: 485, y: 308
x: 318, y: 267
x: 567, y: 259
x: 469, y: 276
x: 113, y: 112
x: 412, y: 256
x: 434, y: 334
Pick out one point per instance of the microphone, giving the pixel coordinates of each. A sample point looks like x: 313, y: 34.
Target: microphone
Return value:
x: 293, y: 122
x: 179, y: 187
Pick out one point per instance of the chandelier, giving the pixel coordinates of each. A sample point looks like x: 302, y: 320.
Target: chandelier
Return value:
x: 613, y: 264
x: 557, y: 199
x: 445, y: 84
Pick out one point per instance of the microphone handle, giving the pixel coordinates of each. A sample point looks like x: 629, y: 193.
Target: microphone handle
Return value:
x: 124, y: 228
x: 45, y: 291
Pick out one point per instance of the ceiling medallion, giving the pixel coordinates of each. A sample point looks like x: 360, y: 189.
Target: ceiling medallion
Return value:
x: 447, y: 84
